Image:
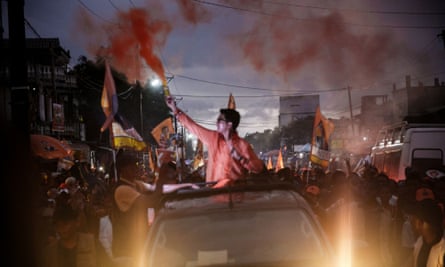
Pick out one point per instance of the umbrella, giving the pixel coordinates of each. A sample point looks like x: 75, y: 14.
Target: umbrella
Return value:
x: 48, y: 147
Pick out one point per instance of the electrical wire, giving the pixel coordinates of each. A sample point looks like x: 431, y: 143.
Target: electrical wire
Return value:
x: 260, y: 12
x: 92, y: 11
x: 251, y: 87
x: 32, y: 28
x: 413, y: 13
x: 113, y: 5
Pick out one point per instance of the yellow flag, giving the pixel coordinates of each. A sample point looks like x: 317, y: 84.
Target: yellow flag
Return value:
x: 162, y: 131
x: 322, y: 130
x: 231, y: 104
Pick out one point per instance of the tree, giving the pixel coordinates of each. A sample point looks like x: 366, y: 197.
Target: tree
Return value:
x: 262, y: 142
x: 299, y: 131
x: 90, y: 79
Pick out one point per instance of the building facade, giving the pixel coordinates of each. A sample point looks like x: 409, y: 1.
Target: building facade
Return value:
x: 297, y: 107
x: 51, y: 88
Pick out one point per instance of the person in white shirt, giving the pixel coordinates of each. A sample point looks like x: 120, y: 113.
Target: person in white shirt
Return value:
x: 429, y: 249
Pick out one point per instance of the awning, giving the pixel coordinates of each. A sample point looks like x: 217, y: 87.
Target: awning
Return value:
x: 48, y: 147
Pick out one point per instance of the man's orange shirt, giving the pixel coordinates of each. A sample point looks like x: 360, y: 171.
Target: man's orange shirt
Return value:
x: 220, y: 164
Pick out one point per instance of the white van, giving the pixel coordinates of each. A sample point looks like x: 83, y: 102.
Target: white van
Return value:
x: 417, y: 145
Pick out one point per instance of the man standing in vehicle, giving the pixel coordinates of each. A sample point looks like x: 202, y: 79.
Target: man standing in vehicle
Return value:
x: 230, y: 156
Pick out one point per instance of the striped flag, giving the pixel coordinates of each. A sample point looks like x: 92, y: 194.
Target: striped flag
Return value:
x: 126, y: 136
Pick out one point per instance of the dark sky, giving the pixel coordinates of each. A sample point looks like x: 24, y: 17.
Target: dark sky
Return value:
x: 257, y: 50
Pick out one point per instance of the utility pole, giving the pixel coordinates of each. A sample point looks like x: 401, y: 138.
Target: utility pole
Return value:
x: 350, y: 110
x: 17, y: 62
x: 141, y: 105
x: 443, y: 37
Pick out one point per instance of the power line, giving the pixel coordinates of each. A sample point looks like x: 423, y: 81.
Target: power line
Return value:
x: 32, y: 28
x: 92, y: 11
x: 314, y: 20
x: 113, y: 5
x: 414, y: 13
x: 251, y: 87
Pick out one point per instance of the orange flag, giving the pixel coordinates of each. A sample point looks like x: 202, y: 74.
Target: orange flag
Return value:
x: 269, y: 164
x: 151, y: 164
x: 198, y: 160
x: 109, y: 102
x: 231, y: 104
x: 280, y: 164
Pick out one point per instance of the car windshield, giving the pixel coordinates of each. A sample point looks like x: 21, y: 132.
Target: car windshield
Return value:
x: 237, y: 238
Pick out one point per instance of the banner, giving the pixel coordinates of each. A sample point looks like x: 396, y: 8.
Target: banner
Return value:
x: 108, y: 102
x: 322, y: 130
x: 58, y: 124
x: 161, y: 133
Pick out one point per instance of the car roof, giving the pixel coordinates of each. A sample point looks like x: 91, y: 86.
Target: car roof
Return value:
x: 267, y: 198
x: 248, y: 193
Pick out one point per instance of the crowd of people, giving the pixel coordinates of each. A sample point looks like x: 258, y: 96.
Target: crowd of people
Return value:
x: 390, y: 224
x: 91, y: 222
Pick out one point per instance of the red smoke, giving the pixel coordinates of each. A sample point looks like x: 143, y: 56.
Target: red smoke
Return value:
x: 135, y: 37
x: 283, y: 39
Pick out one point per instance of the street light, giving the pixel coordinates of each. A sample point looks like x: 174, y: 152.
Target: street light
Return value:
x: 154, y: 83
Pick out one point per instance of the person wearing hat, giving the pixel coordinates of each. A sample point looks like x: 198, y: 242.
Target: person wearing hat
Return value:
x: 429, y: 249
x: 230, y: 156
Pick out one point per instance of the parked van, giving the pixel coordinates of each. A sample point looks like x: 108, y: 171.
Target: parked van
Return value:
x: 417, y: 145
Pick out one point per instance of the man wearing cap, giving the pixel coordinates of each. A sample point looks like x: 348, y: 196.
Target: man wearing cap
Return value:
x: 230, y: 156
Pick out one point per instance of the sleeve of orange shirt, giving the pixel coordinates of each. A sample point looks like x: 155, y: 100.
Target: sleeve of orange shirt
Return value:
x: 204, y: 134
x: 250, y: 160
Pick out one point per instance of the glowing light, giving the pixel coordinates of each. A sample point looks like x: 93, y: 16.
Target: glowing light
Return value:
x: 345, y: 240
x: 156, y: 82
